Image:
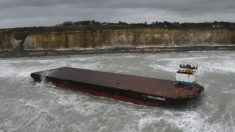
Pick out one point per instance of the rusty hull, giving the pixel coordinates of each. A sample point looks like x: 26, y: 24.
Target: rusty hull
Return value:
x: 143, y: 85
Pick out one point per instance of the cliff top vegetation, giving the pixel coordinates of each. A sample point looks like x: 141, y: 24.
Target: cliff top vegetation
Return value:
x: 95, y: 25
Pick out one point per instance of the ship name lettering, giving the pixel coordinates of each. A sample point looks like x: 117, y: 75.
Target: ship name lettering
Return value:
x: 158, y: 98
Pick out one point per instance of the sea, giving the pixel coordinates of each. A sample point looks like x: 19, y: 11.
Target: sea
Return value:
x: 26, y: 106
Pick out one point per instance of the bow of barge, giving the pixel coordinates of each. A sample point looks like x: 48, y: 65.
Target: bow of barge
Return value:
x: 135, y: 89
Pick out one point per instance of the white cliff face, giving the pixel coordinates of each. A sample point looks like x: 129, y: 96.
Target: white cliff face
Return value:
x: 7, y: 41
x: 132, y: 37
x: 137, y: 37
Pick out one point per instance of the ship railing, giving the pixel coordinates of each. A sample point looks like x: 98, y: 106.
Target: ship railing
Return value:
x: 189, y: 66
x: 191, y: 71
x: 185, y: 72
x: 185, y: 85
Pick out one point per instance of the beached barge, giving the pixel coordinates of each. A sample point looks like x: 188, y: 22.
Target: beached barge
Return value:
x: 128, y: 88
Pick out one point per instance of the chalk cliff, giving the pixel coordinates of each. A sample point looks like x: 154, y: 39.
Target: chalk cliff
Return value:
x: 119, y: 37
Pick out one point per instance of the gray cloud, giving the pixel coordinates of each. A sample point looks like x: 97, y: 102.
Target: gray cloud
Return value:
x: 49, y: 12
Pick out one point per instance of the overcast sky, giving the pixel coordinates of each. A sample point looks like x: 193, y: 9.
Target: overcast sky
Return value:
x: 18, y: 13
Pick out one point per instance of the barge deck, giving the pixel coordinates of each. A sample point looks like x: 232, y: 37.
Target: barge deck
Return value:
x: 128, y: 88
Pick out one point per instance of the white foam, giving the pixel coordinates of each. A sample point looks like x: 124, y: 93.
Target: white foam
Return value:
x: 220, y: 64
x: 140, y: 118
x: 168, y: 67
x: 188, y: 121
